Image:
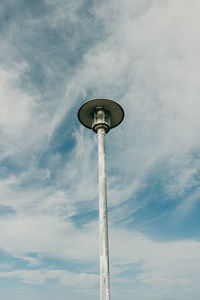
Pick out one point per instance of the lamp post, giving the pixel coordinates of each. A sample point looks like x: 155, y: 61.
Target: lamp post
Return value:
x: 101, y: 115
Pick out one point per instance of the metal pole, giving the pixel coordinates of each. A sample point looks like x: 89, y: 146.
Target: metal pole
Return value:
x: 101, y: 115
x: 103, y: 220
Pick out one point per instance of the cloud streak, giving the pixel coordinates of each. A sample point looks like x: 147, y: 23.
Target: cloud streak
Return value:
x: 144, y: 55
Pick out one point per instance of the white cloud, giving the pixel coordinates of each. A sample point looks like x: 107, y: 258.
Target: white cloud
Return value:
x: 48, y: 235
x: 147, y: 61
x: 15, y: 106
x: 158, y: 266
x: 163, y: 266
x: 40, y: 276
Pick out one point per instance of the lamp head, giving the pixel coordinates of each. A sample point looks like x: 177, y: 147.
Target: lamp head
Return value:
x: 100, y: 113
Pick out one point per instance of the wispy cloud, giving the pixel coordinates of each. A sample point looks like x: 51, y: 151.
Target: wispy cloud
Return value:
x: 143, y: 54
x: 84, y: 281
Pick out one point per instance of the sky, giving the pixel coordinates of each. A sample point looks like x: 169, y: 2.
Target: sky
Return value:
x: 54, y: 56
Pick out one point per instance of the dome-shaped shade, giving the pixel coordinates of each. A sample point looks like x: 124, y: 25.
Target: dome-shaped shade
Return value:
x: 86, y: 112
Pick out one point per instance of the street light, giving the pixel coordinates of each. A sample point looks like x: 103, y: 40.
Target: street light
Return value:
x: 101, y: 115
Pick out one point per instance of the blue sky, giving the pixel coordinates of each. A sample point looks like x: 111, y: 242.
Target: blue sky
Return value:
x: 55, y: 55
